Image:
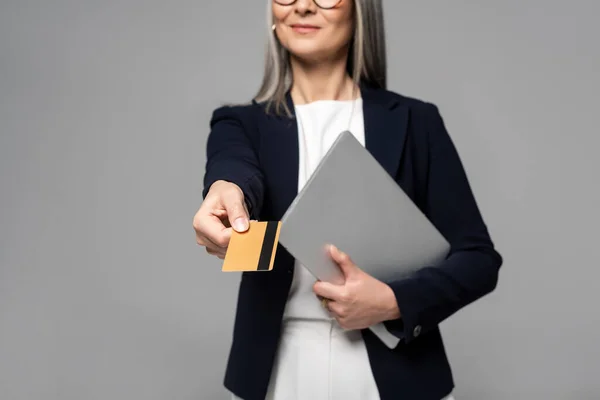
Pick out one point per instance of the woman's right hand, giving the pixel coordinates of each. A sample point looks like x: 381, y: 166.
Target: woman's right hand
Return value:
x: 222, y: 208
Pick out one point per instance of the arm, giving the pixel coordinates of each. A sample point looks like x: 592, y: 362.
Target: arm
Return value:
x: 470, y: 271
x: 231, y: 157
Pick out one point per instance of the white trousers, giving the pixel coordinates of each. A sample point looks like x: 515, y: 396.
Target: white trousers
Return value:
x: 318, y: 360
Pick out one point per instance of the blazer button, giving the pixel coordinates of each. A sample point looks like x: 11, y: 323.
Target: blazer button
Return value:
x: 417, y: 331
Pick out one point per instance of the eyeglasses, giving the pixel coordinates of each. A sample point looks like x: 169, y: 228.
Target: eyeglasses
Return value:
x: 324, y: 4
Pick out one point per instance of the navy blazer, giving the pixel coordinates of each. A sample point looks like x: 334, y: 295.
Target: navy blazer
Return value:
x: 258, y: 151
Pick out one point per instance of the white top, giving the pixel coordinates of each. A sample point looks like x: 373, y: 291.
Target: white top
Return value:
x: 319, y: 124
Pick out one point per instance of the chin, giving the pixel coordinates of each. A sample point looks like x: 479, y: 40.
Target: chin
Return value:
x: 309, y: 52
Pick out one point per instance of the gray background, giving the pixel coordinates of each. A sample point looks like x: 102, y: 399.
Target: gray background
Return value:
x: 104, y: 107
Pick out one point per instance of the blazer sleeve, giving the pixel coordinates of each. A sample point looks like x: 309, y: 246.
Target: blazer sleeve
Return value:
x: 471, y: 268
x: 231, y: 156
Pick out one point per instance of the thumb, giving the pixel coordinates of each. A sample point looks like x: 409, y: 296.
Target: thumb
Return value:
x: 343, y: 260
x: 236, y: 211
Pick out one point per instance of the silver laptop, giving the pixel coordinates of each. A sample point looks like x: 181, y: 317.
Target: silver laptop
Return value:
x: 350, y: 201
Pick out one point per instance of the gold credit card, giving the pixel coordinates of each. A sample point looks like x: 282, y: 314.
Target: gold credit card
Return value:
x: 253, y: 250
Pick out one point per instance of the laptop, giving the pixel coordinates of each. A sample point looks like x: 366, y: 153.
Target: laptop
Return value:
x: 350, y: 201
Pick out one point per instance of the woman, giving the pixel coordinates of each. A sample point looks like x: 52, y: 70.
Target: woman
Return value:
x: 325, y: 73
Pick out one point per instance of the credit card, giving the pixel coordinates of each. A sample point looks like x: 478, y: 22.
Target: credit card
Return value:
x: 253, y: 250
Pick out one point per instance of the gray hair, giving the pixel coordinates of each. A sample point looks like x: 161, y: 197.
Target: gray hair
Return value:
x: 366, y: 60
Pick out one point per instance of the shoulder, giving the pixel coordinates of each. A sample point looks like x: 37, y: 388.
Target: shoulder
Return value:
x: 416, y: 105
x: 239, y: 117
x: 237, y: 112
x: 425, y: 118
x: 422, y: 114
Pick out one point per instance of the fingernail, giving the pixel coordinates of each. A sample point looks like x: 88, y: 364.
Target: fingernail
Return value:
x: 240, y: 224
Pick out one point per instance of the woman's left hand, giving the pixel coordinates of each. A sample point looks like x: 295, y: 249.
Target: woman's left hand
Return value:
x: 361, y: 301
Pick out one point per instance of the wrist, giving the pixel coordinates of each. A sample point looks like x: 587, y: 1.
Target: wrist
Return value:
x: 391, y: 311
x: 221, y: 183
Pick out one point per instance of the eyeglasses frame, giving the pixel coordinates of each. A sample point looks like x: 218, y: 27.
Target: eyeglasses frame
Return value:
x: 314, y: 1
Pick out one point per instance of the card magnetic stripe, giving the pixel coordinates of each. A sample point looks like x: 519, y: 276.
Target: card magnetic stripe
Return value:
x: 269, y: 241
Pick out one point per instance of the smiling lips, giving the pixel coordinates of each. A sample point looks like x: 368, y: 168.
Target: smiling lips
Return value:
x: 304, y: 28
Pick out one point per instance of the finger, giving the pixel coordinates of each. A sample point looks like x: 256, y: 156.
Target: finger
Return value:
x: 328, y: 290
x: 324, y: 302
x: 208, y: 243
x: 343, y: 260
x: 233, y: 201
x: 215, y: 248
x: 214, y: 252
x: 208, y: 225
x: 344, y: 323
x: 219, y: 254
x: 213, y: 231
x: 216, y: 241
x: 339, y: 314
x: 336, y: 309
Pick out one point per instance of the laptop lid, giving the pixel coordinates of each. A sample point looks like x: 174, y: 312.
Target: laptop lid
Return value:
x: 350, y: 201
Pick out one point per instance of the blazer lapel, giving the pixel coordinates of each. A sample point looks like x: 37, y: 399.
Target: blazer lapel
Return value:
x: 385, y: 133
x: 280, y: 156
x: 385, y: 127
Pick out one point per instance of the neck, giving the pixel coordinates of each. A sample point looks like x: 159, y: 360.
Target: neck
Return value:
x: 321, y: 81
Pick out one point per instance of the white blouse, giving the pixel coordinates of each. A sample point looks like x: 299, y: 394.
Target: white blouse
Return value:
x: 319, y: 124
